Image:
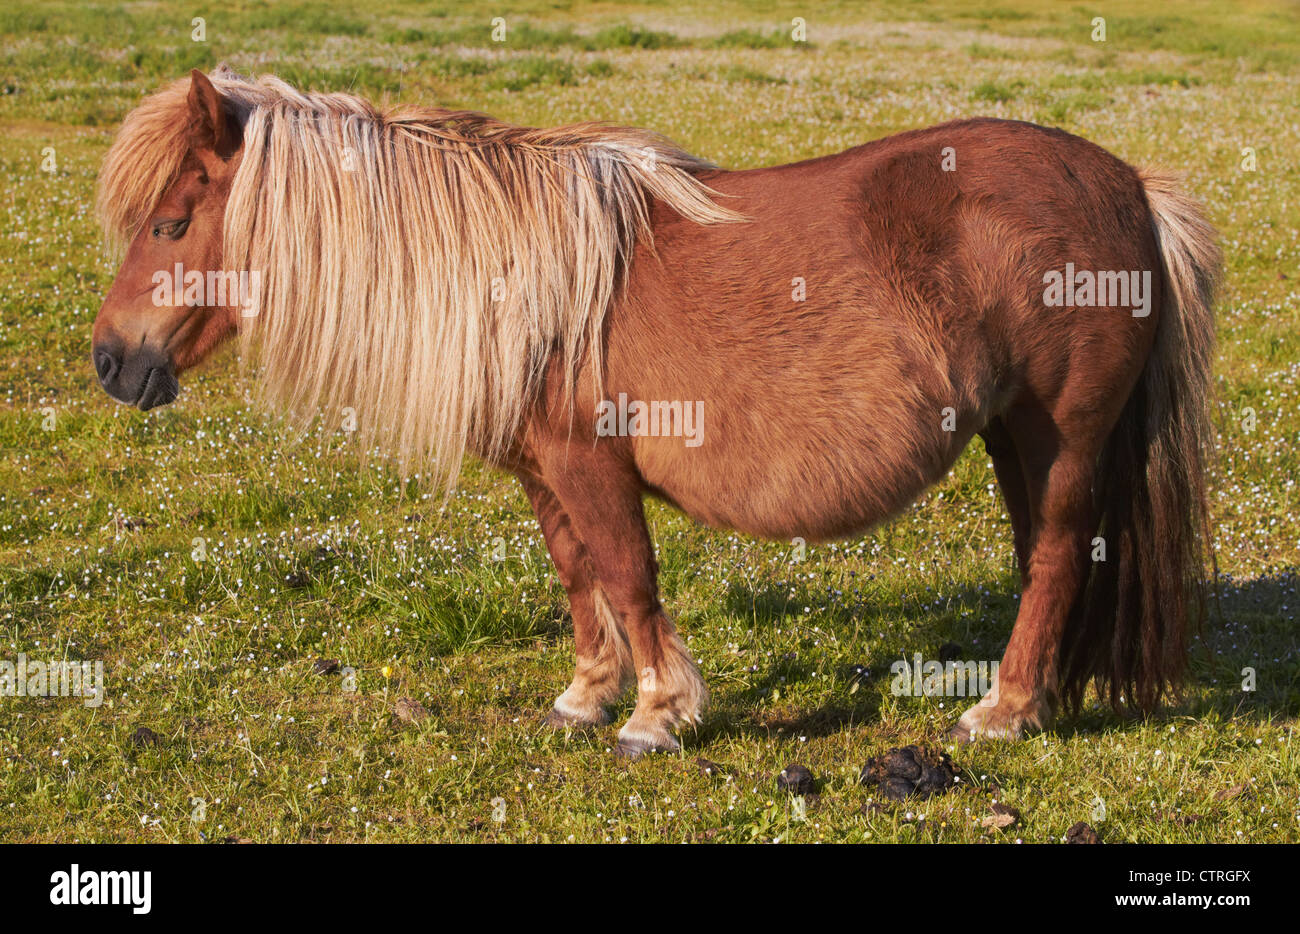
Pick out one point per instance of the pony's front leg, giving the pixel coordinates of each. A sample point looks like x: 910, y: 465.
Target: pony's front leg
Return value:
x: 604, y: 660
x: 603, y: 501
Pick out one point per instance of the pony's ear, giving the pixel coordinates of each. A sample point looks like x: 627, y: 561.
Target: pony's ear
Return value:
x: 212, y: 122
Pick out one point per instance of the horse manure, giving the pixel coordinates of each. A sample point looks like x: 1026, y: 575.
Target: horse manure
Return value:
x: 909, y: 771
x: 896, y: 789
x: 1081, y: 833
x: 796, y: 780
x: 325, y: 666
x: 145, y: 737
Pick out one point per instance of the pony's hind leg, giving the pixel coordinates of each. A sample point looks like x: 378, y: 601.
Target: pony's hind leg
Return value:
x: 1058, y: 469
x: 603, y: 500
x: 604, y: 661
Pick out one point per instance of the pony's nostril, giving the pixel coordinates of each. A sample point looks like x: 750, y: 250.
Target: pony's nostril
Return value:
x: 106, y: 365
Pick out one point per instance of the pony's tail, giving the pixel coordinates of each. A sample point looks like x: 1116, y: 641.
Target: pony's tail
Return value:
x: 1128, y: 632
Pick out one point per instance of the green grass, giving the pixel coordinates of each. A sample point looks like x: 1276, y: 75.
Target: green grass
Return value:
x: 209, y: 560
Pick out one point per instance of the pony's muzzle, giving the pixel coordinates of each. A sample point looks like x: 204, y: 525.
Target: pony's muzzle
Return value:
x: 144, y: 378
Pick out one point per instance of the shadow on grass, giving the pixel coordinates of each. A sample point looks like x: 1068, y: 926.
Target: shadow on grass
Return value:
x: 1249, y: 639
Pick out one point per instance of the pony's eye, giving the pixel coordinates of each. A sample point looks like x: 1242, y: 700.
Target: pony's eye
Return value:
x: 172, y: 230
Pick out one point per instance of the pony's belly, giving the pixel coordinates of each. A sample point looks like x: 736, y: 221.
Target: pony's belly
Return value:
x: 809, y: 494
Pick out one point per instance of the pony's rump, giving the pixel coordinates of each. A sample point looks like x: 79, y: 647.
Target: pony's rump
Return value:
x: 1130, y: 629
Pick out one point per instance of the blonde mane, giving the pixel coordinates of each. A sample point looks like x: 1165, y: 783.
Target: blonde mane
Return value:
x: 420, y: 266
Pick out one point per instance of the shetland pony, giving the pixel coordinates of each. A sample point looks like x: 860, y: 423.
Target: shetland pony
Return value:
x: 557, y: 301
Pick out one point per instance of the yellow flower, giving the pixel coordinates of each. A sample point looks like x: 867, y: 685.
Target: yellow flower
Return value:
x: 386, y: 672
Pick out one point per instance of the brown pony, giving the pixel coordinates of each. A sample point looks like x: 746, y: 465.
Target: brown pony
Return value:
x: 790, y: 351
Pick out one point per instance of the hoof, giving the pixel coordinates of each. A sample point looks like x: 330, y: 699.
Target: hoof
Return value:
x: 558, y: 719
x: 962, y: 733
x: 633, y: 746
x: 1000, y: 721
x: 985, y: 723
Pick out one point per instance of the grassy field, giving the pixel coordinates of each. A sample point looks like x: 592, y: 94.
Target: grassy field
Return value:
x: 209, y: 560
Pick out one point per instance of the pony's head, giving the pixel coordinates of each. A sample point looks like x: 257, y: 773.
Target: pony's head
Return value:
x: 373, y: 257
x: 163, y: 194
